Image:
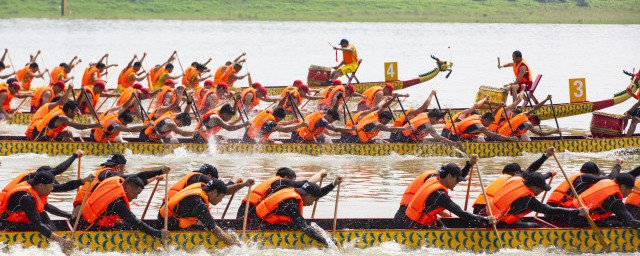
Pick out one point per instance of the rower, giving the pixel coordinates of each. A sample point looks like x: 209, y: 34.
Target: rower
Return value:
x: 22, y: 208
x: 349, y: 63
x: 61, y: 72
x: 131, y: 73
x: 371, y: 122
x: 160, y: 73
x: 44, y: 94
x: 471, y: 127
x: 94, y: 92
x: 8, y: 91
x: 127, y: 94
x: 56, y: 102
x: 190, y: 206
x: 518, y: 125
x: 51, y: 126
x: 230, y: 74
x: 502, y: 112
x: 432, y: 199
x: 632, y: 202
x: 319, y: 122
x: 376, y: 94
x: 217, y: 77
x: 214, y: 121
x: 252, y: 96
x: 201, y: 90
x: 414, y: 186
x: 3, y: 66
x: 508, y: 171
x: 113, y: 123
x: 205, y: 174
x: 521, y: 71
x: 192, y: 79
x: 282, y: 210
x: 517, y: 198
x: 169, y: 123
x: 212, y: 98
x: 267, y: 122
x: 332, y: 96
x: 292, y: 93
x: 422, y: 127
x: 168, y: 93
x: 115, y: 166
x: 107, y: 208
x: 27, y: 74
x: 94, y: 72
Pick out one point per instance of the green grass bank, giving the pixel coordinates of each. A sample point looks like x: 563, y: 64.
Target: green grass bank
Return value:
x: 467, y: 11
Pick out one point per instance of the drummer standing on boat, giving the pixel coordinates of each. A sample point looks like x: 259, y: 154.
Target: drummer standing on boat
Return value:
x: 522, y: 73
x: 349, y: 62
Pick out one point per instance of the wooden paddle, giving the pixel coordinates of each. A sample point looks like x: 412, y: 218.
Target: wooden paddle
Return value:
x: 453, y: 124
x: 246, y: 212
x: 315, y: 204
x: 486, y: 199
x: 335, y: 212
x: 553, y: 110
x: 11, y: 61
x: 95, y: 115
x: 296, y: 110
x: 44, y: 64
x: 146, y: 207
x: 303, y: 105
x: 545, y: 194
x: 466, y: 199
x: 166, y: 209
x: 179, y: 62
x: 226, y: 208
x: 84, y: 200
x: 594, y: 228
x: 512, y: 131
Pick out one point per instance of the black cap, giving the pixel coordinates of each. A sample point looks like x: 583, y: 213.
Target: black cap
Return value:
x: 311, y: 189
x: 537, y: 180
x: 344, y: 41
x: 216, y: 185
x: 452, y: 169
x: 44, y: 168
x: 627, y: 180
x: 512, y: 169
x: 592, y: 168
x: 115, y: 159
x: 209, y: 170
x: 41, y: 178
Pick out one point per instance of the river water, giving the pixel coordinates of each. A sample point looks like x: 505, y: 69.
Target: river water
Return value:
x: 280, y: 52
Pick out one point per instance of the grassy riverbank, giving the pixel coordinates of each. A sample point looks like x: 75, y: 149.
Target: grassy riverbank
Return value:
x: 483, y: 11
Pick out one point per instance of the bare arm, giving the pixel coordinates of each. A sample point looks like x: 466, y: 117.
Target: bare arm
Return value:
x: 290, y: 128
x: 424, y: 106
x: 216, y: 121
x: 69, y: 122
x: 538, y: 106
x: 438, y: 137
x: 497, y: 136
x: 537, y: 131
x: 103, y: 57
x: 339, y: 129
x: 385, y: 128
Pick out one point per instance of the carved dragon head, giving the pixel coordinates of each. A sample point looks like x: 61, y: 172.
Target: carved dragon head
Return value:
x: 443, y: 65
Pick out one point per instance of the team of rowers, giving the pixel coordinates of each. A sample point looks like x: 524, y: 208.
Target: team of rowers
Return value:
x: 103, y: 199
x: 54, y: 107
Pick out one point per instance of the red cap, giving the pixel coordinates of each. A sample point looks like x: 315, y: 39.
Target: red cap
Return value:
x: 15, y: 86
x: 389, y: 87
x: 99, y: 84
x: 145, y: 91
x: 169, y: 82
x: 297, y: 82
x: 351, y: 89
x: 137, y: 86
x: 304, y: 88
x: 223, y: 86
x: 337, y: 82
x: 262, y: 90
x: 208, y: 83
x: 59, y: 84
x: 256, y: 85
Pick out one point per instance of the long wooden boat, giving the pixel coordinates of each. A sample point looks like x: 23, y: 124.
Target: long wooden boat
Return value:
x: 358, y: 233
x: 10, y: 145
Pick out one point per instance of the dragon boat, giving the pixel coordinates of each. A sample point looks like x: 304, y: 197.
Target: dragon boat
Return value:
x: 10, y: 145
x: 350, y: 233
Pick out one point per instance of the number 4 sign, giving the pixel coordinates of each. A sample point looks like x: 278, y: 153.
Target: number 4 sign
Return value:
x: 390, y: 71
x: 577, y: 90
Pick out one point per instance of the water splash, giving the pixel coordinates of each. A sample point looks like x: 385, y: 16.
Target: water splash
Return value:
x: 325, y: 235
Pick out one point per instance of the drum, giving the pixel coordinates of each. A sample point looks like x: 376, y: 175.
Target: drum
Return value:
x: 318, y: 75
x: 605, y: 125
x: 496, y: 95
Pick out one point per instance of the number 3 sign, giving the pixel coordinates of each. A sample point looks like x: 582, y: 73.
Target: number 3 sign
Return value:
x: 577, y: 90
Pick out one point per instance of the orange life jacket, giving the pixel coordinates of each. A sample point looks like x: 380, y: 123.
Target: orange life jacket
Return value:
x: 413, y: 187
x: 350, y: 57
x: 255, y: 128
x: 165, y: 89
x: 402, y: 120
x: 349, y: 124
x: 204, y: 99
x: 562, y: 195
x: 448, y: 125
x: 160, y: 81
x: 217, y: 77
x: 415, y: 208
x: 370, y: 96
x: 516, y: 121
x: 125, y: 96
x: 492, y: 189
x: 21, y: 216
x: 499, y: 118
x: 595, y: 195
x: 36, y: 100
x: 500, y: 204
x: 311, y: 119
x: 187, y: 73
x: 417, y: 122
x: 255, y: 101
x: 45, y: 122
x: 326, y: 91
x: 199, y: 93
x: 526, y: 79
x: 94, y: 211
x: 190, y: 78
x: 260, y: 192
x: 267, y: 209
x: 332, y: 93
x: 467, y: 122
x: 368, y: 119
x: 40, y: 113
x: 634, y: 197
x: 174, y: 201
x: 6, y: 105
x: 94, y: 97
x: 17, y: 180
x: 22, y: 75
x: 127, y: 78
x: 83, y: 189
x: 87, y: 77
x: 149, y: 131
x: 57, y: 74
x: 226, y: 77
x: 205, y: 119
x: 106, y: 121
x: 154, y: 75
x: 180, y: 185
x: 295, y: 94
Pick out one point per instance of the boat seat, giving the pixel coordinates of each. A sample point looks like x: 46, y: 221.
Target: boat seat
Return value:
x: 353, y: 75
x: 530, y: 99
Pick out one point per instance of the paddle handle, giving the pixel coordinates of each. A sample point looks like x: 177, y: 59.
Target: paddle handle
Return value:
x: 84, y: 200
x: 335, y: 213
x: 511, y: 128
x: 246, y: 211
x: 553, y: 110
x: 226, y: 208
x: 594, y: 228
x: 315, y: 204
x: 166, y: 201
x: 466, y: 199
x: 146, y: 207
x: 486, y: 199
